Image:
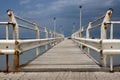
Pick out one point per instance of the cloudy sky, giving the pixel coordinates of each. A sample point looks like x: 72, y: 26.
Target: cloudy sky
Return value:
x: 65, y: 11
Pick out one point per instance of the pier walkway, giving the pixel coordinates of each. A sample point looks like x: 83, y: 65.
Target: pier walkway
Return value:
x: 64, y: 61
x: 66, y: 56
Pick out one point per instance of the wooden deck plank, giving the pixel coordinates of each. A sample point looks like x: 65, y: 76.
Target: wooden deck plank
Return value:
x: 60, y: 76
x: 64, y: 56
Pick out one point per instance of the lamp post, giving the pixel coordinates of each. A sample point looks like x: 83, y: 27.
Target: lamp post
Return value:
x: 61, y: 29
x: 73, y: 27
x: 54, y: 27
x: 80, y: 34
x: 80, y: 16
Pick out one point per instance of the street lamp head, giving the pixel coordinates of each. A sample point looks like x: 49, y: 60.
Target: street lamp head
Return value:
x: 73, y: 23
x: 60, y: 25
x: 80, y: 6
x: 54, y: 18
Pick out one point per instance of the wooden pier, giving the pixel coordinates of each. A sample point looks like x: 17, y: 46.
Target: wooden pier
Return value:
x: 65, y: 61
x: 65, y: 56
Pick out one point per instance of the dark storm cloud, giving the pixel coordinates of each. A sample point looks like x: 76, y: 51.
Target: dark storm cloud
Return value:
x: 65, y: 11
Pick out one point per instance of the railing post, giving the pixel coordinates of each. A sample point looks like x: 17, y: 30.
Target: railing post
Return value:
x: 55, y: 38
x: 7, y: 32
x: 15, y: 25
x: 16, y: 60
x: 7, y: 56
x: 80, y: 34
x: 104, y: 25
x: 15, y: 37
x: 57, y: 35
x: 7, y: 62
x: 37, y: 37
x: 104, y: 34
x: 111, y: 31
x: 51, y: 38
x: 111, y: 37
x: 103, y: 59
x: 88, y: 35
x: 46, y: 35
x: 88, y: 31
x: 111, y: 63
x: 111, y: 57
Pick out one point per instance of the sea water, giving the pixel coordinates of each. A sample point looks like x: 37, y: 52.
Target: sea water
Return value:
x: 96, y: 56
x: 24, y: 58
x: 31, y: 54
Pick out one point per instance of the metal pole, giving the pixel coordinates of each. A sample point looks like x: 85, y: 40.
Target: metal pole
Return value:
x: 73, y: 27
x: 60, y: 29
x: 111, y: 62
x: 15, y: 37
x: 104, y: 25
x: 80, y: 16
x: 7, y: 33
x: 37, y: 37
x: 7, y: 62
x: 51, y: 37
x: 54, y: 27
x: 16, y: 60
x: 60, y: 32
x: 46, y: 34
x: 80, y: 34
x: 88, y: 35
x: 7, y: 56
x: 111, y: 31
x: 104, y: 33
x: 88, y: 31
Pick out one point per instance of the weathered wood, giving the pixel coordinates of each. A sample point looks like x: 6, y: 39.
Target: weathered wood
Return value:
x: 65, y: 56
x: 60, y: 76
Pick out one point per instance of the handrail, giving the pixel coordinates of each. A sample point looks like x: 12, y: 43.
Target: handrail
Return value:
x: 113, y: 22
x: 97, y: 19
x: 93, y: 27
x: 23, y: 26
x: 17, y: 17
x: 24, y: 20
x: 29, y: 22
x: 16, y: 46
x: 4, y: 23
x: 103, y: 45
x: 96, y: 26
